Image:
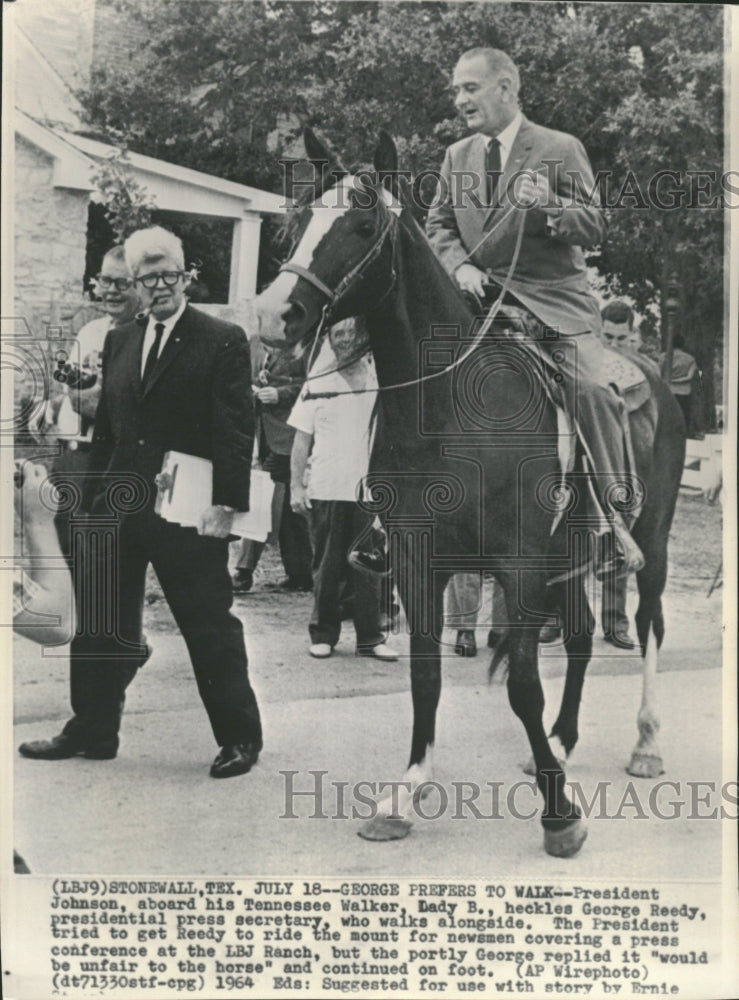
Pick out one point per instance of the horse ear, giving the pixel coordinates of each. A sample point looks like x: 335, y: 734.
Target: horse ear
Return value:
x: 320, y: 152
x: 314, y: 148
x: 386, y: 155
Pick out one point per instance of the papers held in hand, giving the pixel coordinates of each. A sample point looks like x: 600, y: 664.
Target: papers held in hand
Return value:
x: 187, y: 491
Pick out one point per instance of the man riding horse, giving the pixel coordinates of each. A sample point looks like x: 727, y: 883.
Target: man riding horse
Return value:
x: 509, y: 164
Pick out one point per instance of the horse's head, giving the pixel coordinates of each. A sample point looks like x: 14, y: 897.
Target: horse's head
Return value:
x: 343, y: 239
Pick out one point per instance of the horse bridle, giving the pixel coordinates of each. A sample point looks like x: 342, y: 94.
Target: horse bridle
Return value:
x: 346, y: 282
x: 334, y: 296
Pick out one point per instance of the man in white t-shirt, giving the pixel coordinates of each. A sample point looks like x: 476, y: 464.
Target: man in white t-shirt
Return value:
x: 332, y: 419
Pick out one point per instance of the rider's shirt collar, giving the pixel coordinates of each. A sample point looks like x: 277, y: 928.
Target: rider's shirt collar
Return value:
x: 506, y: 138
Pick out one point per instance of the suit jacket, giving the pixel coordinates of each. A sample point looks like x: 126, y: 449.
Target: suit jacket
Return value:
x: 198, y: 401
x: 286, y: 374
x: 550, y: 277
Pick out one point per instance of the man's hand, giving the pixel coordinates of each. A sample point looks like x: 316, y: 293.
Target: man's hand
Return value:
x: 215, y: 522
x: 299, y: 501
x: 471, y: 279
x: 266, y: 394
x: 533, y: 191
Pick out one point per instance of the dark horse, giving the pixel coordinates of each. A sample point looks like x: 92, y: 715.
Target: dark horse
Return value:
x: 465, y: 470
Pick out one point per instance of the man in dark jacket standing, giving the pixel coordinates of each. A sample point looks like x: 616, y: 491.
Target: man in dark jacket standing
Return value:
x: 277, y: 386
x: 178, y: 381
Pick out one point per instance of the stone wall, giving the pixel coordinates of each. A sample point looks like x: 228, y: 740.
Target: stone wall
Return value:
x: 50, y: 240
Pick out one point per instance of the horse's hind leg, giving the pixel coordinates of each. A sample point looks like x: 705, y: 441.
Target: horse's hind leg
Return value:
x: 646, y: 758
x: 564, y: 831
x: 394, y: 815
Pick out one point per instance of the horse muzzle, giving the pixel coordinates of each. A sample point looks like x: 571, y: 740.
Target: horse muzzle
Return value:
x: 283, y: 319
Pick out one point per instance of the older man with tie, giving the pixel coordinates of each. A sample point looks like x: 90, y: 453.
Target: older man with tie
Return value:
x: 178, y: 382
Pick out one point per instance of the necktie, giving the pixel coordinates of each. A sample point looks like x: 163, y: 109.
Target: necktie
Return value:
x: 151, y: 357
x: 492, y: 170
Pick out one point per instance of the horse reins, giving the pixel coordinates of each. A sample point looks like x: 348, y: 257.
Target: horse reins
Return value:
x: 333, y: 297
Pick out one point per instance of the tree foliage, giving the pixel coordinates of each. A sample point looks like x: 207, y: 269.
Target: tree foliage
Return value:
x: 226, y: 86
x: 126, y: 202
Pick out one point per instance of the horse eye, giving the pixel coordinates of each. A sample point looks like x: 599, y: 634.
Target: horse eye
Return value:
x: 365, y: 229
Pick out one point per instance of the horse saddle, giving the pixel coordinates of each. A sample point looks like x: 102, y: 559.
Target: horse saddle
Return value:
x: 618, y: 370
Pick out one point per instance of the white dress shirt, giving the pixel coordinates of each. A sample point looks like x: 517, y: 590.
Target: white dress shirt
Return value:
x: 506, y: 138
x: 150, y: 334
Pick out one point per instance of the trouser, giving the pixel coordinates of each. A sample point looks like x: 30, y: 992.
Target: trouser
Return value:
x: 464, y: 601
x: 67, y: 474
x: 601, y: 414
x: 335, y: 526
x: 290, y: 528
x: 598, y: 409
x: 613, y: 603
x: 106, y: 652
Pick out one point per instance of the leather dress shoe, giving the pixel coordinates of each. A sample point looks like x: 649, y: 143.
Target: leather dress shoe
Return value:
x: 620, y: 638
x: 465, y: 644
x: 65, y: 745
x: 236, y: 759
x: 242, y: 581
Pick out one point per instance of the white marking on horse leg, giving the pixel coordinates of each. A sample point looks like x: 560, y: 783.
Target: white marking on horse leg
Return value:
x: 646, y: 759
x: 557, y: 749
x: 399, y: 800
x: 397, y: 808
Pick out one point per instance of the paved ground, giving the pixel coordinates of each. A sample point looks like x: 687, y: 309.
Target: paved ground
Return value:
x: 155, y: 810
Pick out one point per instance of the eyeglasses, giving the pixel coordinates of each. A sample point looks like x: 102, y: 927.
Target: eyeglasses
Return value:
x: 168, y: 278
x: 121, y: 284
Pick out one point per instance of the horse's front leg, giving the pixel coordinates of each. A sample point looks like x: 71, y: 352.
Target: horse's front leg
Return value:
x: 578, y: 624
x: 564, y: 830
x: 395, y: 810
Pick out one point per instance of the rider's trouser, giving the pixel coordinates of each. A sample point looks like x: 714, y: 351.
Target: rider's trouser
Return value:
x: 601, y: 414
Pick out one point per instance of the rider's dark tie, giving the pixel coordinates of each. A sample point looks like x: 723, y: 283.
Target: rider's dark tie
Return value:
x: 492, y: 170
x: 151, y: 357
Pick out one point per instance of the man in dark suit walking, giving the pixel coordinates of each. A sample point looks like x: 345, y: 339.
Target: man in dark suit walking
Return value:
x: 179, y: 381
x: 509, y: 165
x: 277, y: 386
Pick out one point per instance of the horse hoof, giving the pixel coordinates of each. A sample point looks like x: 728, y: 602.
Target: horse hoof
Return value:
x: 565, y: 843
x: 382, y: 827
x: 645, y: 765
x: 530, y: 766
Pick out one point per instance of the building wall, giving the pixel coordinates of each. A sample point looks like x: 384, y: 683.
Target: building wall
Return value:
x: 50, y: 237
x: 118, y: 37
